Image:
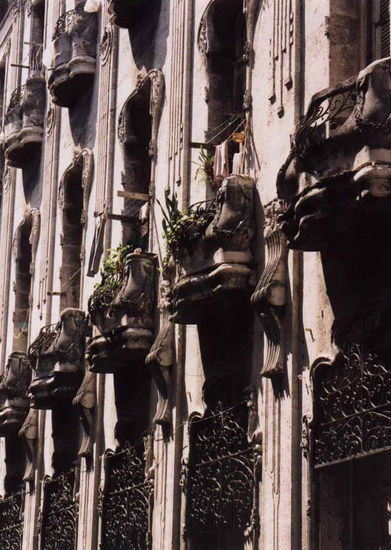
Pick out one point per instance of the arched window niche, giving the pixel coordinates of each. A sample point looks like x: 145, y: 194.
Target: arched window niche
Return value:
x: 25, y: 248
x: 225, y: 42
x: 137, y: 131
x: 75, y: 187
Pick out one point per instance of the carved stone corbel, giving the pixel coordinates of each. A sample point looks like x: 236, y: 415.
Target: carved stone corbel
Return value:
x: 269, y: 298
x: 161, y: 358
x: 29, y: 434
x: 85, y: 401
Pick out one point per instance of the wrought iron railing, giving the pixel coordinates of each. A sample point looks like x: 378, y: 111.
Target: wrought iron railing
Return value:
x: 352, y: 405
x: 327, y: 111
x: 60, y: 512
x: 14, y: 103
x: 222, y: 477
x: 126, y: 505
x: 65, y: 20
x: 44, y: 340
x: 11, y: 521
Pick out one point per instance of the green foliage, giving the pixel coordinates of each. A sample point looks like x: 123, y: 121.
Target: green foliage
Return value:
x: 204, y: 172
x: 181, y: 228
x: 112, y: 274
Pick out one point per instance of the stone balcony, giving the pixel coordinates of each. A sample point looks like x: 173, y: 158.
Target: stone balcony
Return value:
x: 14, y: 401
x: 216, y: 262
x: 122, y: 308
x: 75, y: 47
x: 23, y: 123
x: 341, y: 149
x: 123, y: 11
x: 337, y: 186
x: 57, y: 358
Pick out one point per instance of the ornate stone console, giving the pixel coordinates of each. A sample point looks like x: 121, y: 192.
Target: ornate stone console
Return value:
x: 122, y: 308
x: 14, y: 409
x: 75, y: 46
x: 341, y: 149
x: 23, y: 124
x: 57, y: 357
x: 14, y: 401
x: 122, y: 12
x: 216, y: 260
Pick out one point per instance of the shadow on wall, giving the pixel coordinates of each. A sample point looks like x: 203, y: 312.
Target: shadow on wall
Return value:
x: 148, y: 34
x: 31, y: 175
x: 83, y: 115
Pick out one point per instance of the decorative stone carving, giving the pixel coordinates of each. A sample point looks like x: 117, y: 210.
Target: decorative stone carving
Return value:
x: 14, y: 401
x: 83, y: 161
x: 161, y: 357
x: 106, y: 44
x: 75, y: 45
x: 156, y: 80
x: 29, y: 435
x: 217, y: 260
x: 344, y: 134
x: 23, y: 123
x: 85, y: 401
x: 123, y: 312
x: 57, y: 357
x: 122, y: 12
x: 269, y: 298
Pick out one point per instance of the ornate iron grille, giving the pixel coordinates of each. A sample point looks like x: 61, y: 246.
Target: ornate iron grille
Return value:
x: 221, y: 480
x: 11, y: 521
x: 332, y: 106
x: 60, y: 513
x: 352, y: 407
x: 126, y: 501
x: 14, y: 103
x: 66, y: 19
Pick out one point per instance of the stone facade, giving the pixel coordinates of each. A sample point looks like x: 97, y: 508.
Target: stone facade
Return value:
x: 195, y: 278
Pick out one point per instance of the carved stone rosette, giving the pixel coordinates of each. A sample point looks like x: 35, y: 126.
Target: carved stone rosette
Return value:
x: 269, y: 298
x: 75, y: 48
x: 217, y: 265
x: 23, y: 123
x: 57, y: 357
x: 124, y: 316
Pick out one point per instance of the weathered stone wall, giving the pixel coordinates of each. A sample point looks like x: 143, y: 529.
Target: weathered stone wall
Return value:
x: 299, y: 48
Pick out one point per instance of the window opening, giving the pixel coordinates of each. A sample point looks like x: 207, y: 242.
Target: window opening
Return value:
x: 72, y: 235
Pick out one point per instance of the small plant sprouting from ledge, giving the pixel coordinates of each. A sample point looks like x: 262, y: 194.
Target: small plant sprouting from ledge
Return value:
x: 181, y: 228
x: 112, y: 274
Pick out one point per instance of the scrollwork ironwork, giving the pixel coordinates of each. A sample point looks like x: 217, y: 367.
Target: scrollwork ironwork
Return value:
x: 126, y: 500
x: 65, y: 20
x: 222, y: 477
x: 60, y: 512
x: 11, y: 521
x: 332, y: 106
x: 352, y: 399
